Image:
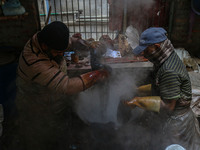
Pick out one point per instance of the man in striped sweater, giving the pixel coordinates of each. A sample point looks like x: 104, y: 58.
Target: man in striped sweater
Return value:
x: 171, y: 90
x: 44, y: 89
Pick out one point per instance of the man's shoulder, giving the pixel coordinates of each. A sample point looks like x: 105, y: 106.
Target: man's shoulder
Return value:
x: 173, y: 63
x: 32, y: 54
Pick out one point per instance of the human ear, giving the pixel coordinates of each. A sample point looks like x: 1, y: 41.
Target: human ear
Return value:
x: 44, y: 47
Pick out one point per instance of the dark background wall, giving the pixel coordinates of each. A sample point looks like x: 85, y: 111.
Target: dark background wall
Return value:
x: 181, y: 26
x: 15, y: 31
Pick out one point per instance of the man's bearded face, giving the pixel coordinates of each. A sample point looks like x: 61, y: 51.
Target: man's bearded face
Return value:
x: 55, y: 55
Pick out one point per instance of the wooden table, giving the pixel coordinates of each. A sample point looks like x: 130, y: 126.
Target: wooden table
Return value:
x: 131, y: 67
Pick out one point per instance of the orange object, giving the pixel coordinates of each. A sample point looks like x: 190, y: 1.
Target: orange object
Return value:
x: 91, y: 78
x: 144, y: 90
x: 74, y: 58
x: 151, y: 103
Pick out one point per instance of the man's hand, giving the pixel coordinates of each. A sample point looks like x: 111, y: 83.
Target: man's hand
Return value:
x: 107, y: 68
x: 130, y: 103
x: 77, y: 43
x: 77, y: 35
x: 151, y: 103
x: 144, y: 90
x: 93, y: 77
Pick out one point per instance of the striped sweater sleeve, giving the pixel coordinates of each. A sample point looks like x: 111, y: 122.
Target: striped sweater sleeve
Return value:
x: 45, y: 74
x: 170, y: 85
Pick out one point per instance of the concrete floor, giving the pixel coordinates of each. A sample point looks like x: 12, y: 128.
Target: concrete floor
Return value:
x: 87, y: 137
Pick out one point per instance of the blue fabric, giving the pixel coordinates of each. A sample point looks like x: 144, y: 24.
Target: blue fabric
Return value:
x: 12, y: 4
x: 150, y: 36
x: 13, y: 7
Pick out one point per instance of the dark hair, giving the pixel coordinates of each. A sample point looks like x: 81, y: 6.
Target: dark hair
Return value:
x: 55, y: 35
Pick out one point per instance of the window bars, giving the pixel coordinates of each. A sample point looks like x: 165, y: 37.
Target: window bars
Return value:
x: 91, y: 17
x: 88, y: 17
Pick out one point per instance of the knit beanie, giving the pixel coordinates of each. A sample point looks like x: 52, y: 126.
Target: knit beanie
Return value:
x: 55, y: 35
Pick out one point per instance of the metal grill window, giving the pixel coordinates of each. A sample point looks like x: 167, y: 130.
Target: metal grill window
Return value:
x: 91, y: 17
x: 88, y: 17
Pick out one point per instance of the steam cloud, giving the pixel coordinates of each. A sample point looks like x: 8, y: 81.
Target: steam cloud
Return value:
x: 138, y: 13
x: 100, y: 103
